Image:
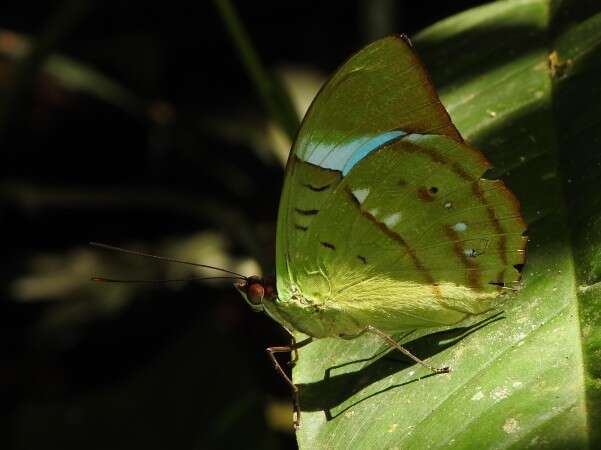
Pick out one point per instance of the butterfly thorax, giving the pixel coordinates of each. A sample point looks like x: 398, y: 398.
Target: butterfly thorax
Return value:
x: 312, y: 315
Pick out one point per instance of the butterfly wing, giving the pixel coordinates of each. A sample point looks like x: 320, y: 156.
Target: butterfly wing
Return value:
x: 383, y: 213
x: 381, y: 89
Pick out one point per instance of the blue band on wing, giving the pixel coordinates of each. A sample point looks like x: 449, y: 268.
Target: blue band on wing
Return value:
x: 369, y: 147
x: 344, y: 156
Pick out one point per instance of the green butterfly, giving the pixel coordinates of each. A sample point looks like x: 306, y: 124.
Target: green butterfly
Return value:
x: 385, y: 223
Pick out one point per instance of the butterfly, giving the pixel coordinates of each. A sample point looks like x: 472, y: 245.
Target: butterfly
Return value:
x: 385, y: 223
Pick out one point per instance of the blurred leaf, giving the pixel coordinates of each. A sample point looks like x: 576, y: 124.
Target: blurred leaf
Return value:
x: 267, y: 139
x: 71, y: 75
x: 520, y: 80
x: 65, y: 278
x: 64, y: 19
x: 270, y: 89
x: 78, y: 77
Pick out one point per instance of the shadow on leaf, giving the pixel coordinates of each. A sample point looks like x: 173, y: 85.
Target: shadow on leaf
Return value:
x: 333, y: 390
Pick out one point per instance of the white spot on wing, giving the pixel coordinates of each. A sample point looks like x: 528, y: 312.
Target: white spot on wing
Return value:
x: 361, y: 194
x: 448, y: 205
x: 416, y: 137
x: 374, y: 212
x: 392, y: 220
x: 460, y: 226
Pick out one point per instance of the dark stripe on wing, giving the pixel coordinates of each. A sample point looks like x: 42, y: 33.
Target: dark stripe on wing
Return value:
x: 306, y: 212
x: 474, y: 275
x: 317, y: 188
x: 462, y: 173
x: 502, y: 243
x: 397, y: 237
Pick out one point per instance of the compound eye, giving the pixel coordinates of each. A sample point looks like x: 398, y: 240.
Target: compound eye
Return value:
x: 255, y: 293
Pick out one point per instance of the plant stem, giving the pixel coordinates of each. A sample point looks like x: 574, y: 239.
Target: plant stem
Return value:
x: 275, y: 99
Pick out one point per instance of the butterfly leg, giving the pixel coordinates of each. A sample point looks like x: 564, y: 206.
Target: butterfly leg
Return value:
x: 271, y: 351
x: 394, y: 344
x: 294, y: 356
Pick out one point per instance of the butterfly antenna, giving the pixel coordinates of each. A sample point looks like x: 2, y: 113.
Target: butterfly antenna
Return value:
x: 116, y: 280
x: 163, y: 258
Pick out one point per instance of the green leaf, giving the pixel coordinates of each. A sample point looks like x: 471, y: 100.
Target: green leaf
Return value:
x: 520, y: 80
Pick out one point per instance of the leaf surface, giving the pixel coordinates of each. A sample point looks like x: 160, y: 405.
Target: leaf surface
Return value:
x: 520, y: 81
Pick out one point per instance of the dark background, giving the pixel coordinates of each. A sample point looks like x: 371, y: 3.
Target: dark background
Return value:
x: 165, y: 152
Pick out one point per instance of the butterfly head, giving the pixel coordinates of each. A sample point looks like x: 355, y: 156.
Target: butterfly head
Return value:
x: 256, y: 289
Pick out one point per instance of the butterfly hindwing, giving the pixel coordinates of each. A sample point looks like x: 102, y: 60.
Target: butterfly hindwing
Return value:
x: 414, y: 228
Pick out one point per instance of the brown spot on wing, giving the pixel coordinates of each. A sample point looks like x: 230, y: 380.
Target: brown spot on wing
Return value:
x: 425, y: 195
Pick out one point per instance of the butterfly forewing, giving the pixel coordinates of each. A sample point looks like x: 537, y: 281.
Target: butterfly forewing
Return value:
x: 379, y: 90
